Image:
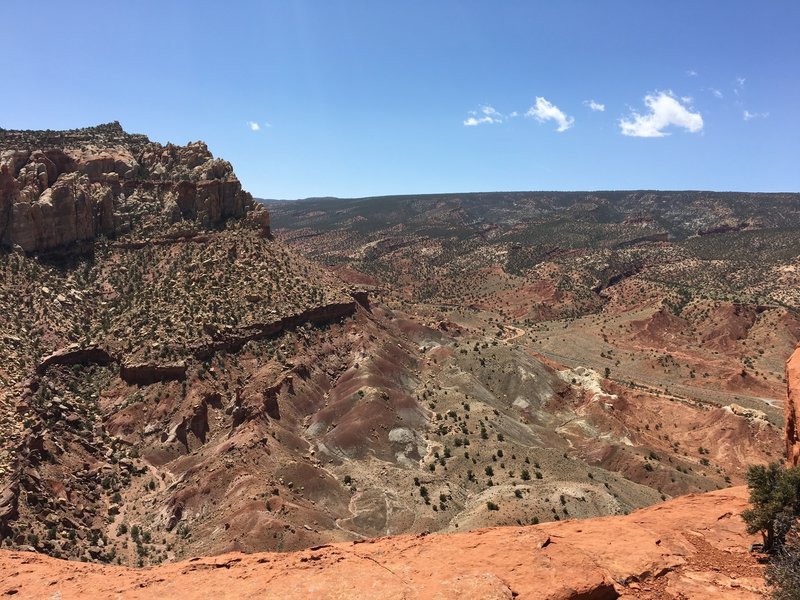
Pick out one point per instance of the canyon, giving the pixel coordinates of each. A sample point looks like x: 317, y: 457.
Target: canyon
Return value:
x: 527, y: 395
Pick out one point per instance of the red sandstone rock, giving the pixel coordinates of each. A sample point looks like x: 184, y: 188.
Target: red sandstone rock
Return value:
x: 147, y: 373
x: 792, y: 409
x: 691, y: 547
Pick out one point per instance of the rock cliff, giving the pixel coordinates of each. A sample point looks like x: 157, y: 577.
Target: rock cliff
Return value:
x: 62, y: 187
x: 792, y: 409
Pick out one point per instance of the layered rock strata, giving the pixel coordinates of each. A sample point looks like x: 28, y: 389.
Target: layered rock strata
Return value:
x: 233, y: 339
x: 65, y: 187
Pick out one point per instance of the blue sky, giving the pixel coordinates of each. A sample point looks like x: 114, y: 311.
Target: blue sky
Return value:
x: 356, y: 98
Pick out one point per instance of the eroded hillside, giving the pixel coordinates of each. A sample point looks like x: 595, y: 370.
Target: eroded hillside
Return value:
x: 178, y: 383
x: 690, y: 294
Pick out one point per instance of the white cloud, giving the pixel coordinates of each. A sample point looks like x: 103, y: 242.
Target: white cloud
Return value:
x: 665, y: 110
x: 545, y: 111
x: 486, y: 115
x: 253, y: 126
x: 595, y: 105
x: 747, y: 115
x: 691, y: 73
x: 717, y: 93
x: 739, y: 85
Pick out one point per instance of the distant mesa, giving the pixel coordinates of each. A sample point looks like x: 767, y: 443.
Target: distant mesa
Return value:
x: 59, y: 188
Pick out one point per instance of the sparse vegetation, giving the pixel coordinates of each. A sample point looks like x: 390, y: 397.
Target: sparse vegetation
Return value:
x: 774, y: 512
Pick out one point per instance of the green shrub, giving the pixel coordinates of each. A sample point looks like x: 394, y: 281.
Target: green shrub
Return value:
x: 774, y: 496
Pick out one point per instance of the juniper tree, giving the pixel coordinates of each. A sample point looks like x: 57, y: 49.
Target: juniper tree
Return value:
x: 774, y: 502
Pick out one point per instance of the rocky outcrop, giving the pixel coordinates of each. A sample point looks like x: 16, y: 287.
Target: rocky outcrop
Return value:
x: 792, y: 409
x: 751, y: 414
x: 229, y: 339
x: 9, y: 498
x: 193, y: 419
x: 71, y: 210
x: 232, y: 339
x: 361, y: 297
x: 59, y: 188
x: 262, y: 403
x: 259, y: 219
x: 691, y: 547
x: 75, y: 355
x: 31, y: 452
x: 149, y: 373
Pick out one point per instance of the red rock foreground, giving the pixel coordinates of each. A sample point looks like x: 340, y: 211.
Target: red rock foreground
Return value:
x: 792, y: 409
x: 690, y: 547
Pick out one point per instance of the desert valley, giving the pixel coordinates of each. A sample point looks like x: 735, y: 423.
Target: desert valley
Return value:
x: 542, y: 395
x: 357, y: 300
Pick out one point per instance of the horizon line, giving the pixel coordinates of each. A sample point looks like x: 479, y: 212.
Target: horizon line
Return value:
x: 473, y: 193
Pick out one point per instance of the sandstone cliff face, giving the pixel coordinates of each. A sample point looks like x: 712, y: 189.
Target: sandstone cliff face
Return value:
x: 792, y: 409
x: 71, y: 210
x: 58, y: 188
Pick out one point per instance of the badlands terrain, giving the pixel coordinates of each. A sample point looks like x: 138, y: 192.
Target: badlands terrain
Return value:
x: 693, y: 293
x: 189, y: 374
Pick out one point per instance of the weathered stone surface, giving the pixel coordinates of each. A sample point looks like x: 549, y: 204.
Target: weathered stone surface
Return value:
x: 792, y: 409
x: 75, y: 354
x: 9, y: 497
x: 147, y: 373
x: 694, y: 546
x: 362, y: 297
x: 259, y: 219
x: 233, y: 339
x: 57, y: 188
x: 68, y: 211
x: 192, y: 418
